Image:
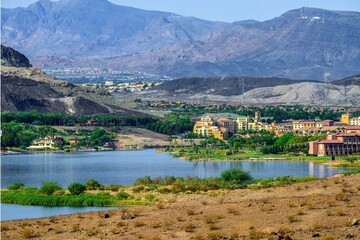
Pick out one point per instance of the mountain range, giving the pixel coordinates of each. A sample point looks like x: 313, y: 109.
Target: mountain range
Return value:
x: 304, y: 43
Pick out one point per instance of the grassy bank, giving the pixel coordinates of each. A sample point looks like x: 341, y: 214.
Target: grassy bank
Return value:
x: 145, y: 191
x: 204, y: 154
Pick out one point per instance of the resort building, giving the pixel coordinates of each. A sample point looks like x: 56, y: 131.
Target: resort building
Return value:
x: 336, y: 145
x: 227, y: 123
x: 206, y: 127
x: 47, y: 142
x: 345, y: 118
x: 304, y: 124
x: 352, y: 129
x: 242, y: 123
x: 355, y: 121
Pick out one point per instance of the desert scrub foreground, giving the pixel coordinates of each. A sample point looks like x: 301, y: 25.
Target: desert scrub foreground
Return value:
x: 323, y: 209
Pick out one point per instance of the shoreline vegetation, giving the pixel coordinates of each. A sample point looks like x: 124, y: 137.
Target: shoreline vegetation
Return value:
x: 145, y: 191
x: 200, y: 155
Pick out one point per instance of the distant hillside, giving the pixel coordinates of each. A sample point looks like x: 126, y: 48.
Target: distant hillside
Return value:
x: 229, y: 86
x: 353, y: 80
x: 259, y: 91
x: 12, y: 58
x: 305, y: 43
x: 26, y: 89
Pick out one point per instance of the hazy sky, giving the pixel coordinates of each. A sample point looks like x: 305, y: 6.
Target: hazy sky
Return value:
x: 223, y: 10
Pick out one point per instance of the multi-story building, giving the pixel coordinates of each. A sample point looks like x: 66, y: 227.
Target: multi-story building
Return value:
x: 242, y: 123
x: 345, y: 118
x: 303, y: 124
x: 336, y: 145
x: 206, y: 127
x: 355, y: 121
x: 227, y: 123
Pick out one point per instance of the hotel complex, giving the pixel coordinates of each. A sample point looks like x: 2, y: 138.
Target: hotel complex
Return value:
x: 343, y: 137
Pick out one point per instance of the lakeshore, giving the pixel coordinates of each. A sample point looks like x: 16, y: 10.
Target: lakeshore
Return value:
x: 324, y: 208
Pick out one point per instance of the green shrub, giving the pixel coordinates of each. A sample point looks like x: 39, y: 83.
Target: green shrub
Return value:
x: 235, y: 175
x: 92, y: 184
x: 76, y: 188
x: 113, y: 187
x: 16, y: 186
x: 150, y: 197
x: 122, y: 195
x: 50, y: 187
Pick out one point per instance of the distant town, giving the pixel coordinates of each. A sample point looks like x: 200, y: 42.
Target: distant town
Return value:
x: 101, y: 75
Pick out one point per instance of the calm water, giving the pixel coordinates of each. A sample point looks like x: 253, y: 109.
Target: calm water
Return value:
x: 13, y: 211
x: 124, y: 167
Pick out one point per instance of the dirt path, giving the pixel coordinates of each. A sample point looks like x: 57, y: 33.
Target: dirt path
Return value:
x: 323, y: 209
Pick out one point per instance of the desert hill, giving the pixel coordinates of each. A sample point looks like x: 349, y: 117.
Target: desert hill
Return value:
x: 24, y: 88
x: 249, y: 90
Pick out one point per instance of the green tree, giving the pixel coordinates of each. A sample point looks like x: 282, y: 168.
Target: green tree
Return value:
x: 76, y: 188
x: 92, y: 184
x: 235, y: 175
x: 50, y: 187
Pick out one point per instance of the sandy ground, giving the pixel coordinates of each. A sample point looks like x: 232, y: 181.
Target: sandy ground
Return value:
x: 130, y: 138
x: 324, y: 209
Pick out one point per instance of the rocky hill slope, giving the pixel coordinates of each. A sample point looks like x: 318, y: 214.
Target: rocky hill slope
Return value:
x: 259, y: 91
x: 12, y: 58
x: 26, y: 88
x: 305, y: 43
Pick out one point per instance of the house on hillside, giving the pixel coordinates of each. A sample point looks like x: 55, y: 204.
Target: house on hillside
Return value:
x: 46, y: 143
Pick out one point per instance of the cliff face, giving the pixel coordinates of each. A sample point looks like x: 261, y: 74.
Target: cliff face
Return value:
x: 12, y: 58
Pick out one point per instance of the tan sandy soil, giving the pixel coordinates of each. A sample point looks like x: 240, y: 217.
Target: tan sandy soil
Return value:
x: 323, y: 209
x: 138, y: 137
x: 129, y: 138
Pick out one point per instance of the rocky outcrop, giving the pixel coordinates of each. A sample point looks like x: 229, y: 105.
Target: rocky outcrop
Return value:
x: 12, y: 58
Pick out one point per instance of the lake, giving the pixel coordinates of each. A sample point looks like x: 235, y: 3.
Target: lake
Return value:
x: 124, y: 167
x: 13, y: 211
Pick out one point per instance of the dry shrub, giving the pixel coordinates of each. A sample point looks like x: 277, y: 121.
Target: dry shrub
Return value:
x: 115, y: 230
x: 233, y: 211
x: 198, y: 236
x: 291, y: 204
x: 213, y: 227
x: 75, y: 227
x: 160, y: 206
x: 91, y: 232
x: 189, y: 227
x: 317, y: 226
x: 120, y: 224
x: 4, y: 228
x: 191, y: 212
x: 28, y: 233
x: 292, y: 218
x: 210, y: 219
x: 139, y: 223
x: 255, y: 234
x: 156, y: 225
x: 341, y: 212
x: 300, y: 212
